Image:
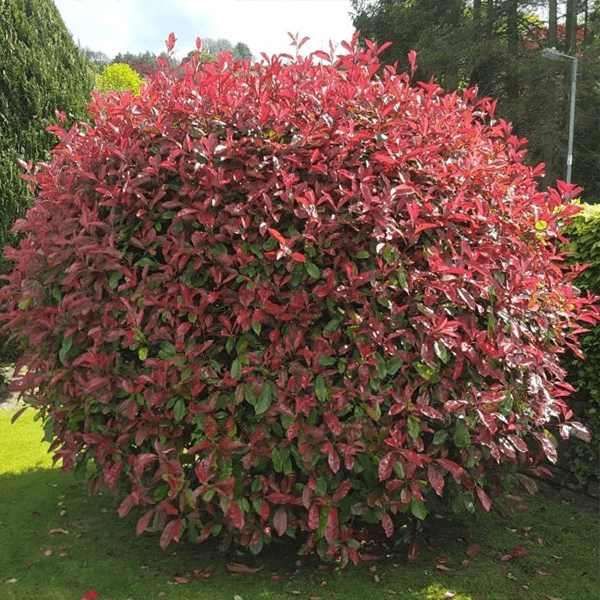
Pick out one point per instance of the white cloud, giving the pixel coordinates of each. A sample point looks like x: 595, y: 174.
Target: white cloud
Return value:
x: 114, y: 26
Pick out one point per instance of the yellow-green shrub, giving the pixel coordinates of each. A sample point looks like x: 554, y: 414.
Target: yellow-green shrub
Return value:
x: 119, y: 77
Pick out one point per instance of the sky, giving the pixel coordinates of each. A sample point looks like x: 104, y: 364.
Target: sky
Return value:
x: 113, y: 26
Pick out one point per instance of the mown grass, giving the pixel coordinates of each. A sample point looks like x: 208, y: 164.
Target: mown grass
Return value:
x: 58, y: 543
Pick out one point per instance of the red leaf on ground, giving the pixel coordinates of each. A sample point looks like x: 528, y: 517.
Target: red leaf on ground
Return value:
x: 520, y: 552
x: 474, y: 549
x: 90, y: 595
x: 236, y: 568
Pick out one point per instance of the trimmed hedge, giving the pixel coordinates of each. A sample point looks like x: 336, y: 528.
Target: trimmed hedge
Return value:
x: 580, y: 458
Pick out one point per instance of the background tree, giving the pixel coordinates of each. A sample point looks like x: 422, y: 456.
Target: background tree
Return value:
x: 496, y: 45
x: 41, y: 71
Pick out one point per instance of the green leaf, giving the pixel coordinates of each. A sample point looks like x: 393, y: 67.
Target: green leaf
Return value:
x: 312, y: 269
x: 424, y: 371
x: 321, y: 389
x: 257, y: 327
x: 264, y: 402
x: 441, y: 351
x: 440, y: 437
x: 393, y: 365
x: 66, y: 345
x: 362, y: 254
x: 414, y: 427
x: 113, y: 280
x: 321, y: 489
x: 179, y: 410
x: 326, y: 361
x: 236, y: 369
x: 417, y: 508
x: 332, y: 326
x: 462, y: 438
x: 167, y: 351
x: 49, y: 430
x: 143, y: 353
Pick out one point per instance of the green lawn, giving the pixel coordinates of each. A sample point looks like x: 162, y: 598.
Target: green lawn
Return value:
x: 59, y: 543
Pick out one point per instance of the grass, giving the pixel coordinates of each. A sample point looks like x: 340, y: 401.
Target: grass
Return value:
x: 58, y: 543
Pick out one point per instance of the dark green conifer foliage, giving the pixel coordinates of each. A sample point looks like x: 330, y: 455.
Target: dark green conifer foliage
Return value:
x: 41, y: 70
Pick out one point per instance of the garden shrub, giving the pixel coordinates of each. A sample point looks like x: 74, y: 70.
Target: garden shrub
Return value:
x: 581, y: 458
x: 119, y: 77
x: 288, y: 297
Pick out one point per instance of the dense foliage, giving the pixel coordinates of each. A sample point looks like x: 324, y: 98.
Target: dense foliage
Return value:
x: 41, y: 70
x: 582, y: 458
x: 294, y: 296
x: 497, y: 47
x: 119, y: 77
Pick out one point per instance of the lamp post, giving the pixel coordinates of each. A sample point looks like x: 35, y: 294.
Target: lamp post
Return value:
x: 554, y: 54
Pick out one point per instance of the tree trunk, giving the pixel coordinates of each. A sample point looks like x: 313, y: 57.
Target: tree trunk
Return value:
x: 552, y: 22
x: 490, y: 19
x: 477, y: 12
x: 571, y: 27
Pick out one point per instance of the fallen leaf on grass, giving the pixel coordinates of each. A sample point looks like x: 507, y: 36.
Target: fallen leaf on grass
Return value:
x: 58, y: 530
x: 28, y: 564
x: 204, y: 573
x: 90, y: 595
x: 10, y: 581
x: 474, y: 549
x: 441, y: 567
x: 236, y: 568
x: 181, y: 580
x: 369, y: 558
x: 517, y: 552
x: 161, y: 594
x: 48, y: 552
x: 450, y: 595
x: 554, y: 598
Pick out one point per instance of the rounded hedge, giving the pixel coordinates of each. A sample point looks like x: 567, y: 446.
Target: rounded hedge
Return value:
x: 293, y: 296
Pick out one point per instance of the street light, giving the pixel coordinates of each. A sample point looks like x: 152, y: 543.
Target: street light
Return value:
x: 554, y: 54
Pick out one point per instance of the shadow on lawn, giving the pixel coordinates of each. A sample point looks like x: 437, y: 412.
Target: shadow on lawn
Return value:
x: 58, y: 543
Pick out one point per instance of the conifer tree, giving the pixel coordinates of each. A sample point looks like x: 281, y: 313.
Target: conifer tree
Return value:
x: 42, y: 71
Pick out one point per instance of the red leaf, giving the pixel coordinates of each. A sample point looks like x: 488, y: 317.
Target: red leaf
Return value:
x: 143, y: 523
x: 170, y: 42
x: 313, y: 517
x: 435, y: 479
x: 342, y: 491
x: 387, y: 524
x: 547, y: 446
x: 236, y: 515
x: 485, y: 500
x: 455, y: 469
x: 333, y: 458
x: 170, y: 533
x: 331, y: 526
x: 386, y: 465
x: 90, y: 595
x: 280, y: 520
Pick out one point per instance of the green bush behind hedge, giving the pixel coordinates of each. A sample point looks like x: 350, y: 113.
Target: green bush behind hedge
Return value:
x: 581, y: 458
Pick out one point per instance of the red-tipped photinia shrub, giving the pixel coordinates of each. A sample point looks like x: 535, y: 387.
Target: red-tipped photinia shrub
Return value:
x: 294, y: 296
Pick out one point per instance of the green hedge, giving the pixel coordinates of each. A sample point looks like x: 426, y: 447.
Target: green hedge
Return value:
x: 41, y: 70
x: 581, y: 458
